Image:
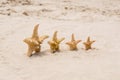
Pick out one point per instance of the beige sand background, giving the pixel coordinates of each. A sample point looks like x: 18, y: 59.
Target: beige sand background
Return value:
x: 99, y: 19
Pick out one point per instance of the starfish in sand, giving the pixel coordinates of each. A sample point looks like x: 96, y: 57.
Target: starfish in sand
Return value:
x: 34, y: 41
x: 54, y: 43
x: 73, y: 43
x: 88, y: 44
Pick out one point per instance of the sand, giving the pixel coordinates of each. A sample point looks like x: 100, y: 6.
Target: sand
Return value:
x: 99, y: 19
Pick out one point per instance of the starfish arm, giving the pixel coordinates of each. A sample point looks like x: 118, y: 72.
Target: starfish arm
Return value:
x: 51, y: 42
x: 61, y: 40
x: 55, y: 36
x: 35, y: 31
x: 88, y: 40
x: 78, y: 41
x: 92, y: 42
x: 84, y: 43
x: 29, y: 53
x: 68, y: 43
x: 43, y: 38
x: 73, y: 38
x: 28, y: 40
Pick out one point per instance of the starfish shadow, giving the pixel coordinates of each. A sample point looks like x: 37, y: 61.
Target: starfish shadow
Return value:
x: 42, y: 53
x: 90, y: 49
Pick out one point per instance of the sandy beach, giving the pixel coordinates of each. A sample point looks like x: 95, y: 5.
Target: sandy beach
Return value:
x: 99, y: 19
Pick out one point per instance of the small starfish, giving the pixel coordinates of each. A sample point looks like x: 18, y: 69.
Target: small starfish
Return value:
x: 88, y: 44
x: 54, y: 43
x: 34, y: 41
x: 73, y: 43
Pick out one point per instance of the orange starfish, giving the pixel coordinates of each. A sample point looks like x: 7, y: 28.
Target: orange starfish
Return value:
x: 54, y: 43
x: 34, y: 41
x: 73, y: 43
x: 88, y: 44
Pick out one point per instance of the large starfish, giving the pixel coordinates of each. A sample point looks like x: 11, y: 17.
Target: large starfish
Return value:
x: 88, y: 44
x: 34, y: 41
x: 54, y: 43
x: 73, y: 43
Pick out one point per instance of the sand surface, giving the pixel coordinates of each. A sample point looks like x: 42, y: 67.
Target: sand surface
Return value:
x: 99, y: 19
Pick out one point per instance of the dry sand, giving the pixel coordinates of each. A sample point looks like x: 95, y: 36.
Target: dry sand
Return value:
x: 99, y: 19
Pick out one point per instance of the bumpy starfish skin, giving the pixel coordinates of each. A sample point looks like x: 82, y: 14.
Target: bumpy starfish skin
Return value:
x: 88, y: 44
x: 54, y: 43
x: 34, y: 41
x: 73, y: 43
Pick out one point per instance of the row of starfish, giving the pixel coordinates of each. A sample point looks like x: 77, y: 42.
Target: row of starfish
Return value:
x: 34, y: 42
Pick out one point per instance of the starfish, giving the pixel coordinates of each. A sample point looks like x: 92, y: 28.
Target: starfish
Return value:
x: 73, y: 43
x: 54, y: 43
x: 34, y: 41
x: 88, y: 44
